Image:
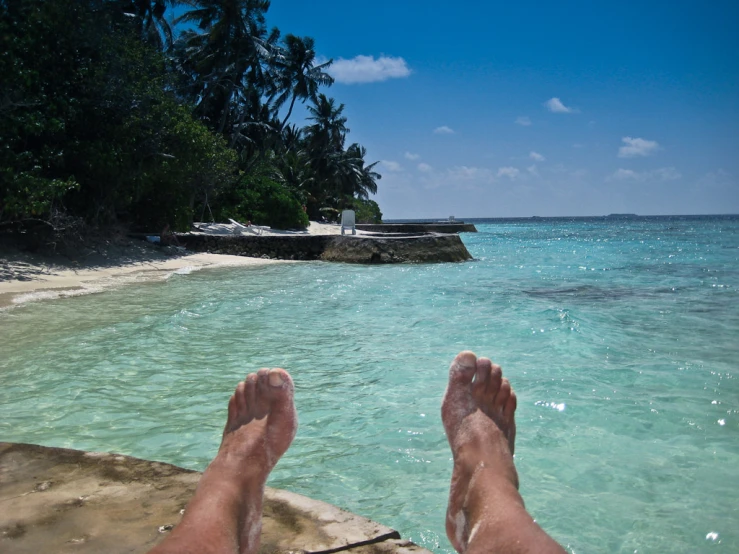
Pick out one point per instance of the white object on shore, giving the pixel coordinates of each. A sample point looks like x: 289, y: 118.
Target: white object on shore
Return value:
x: 347, y: 221
x: 239, y: 228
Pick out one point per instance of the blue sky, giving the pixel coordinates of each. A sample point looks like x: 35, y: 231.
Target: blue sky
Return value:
x: 525, y: 108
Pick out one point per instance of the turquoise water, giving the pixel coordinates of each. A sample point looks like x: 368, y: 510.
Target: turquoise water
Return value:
x: 620, y: 337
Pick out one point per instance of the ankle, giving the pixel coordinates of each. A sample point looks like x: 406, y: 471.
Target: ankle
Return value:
x: 485, y: 454
x: 490, y: 487
x: 236, y: 472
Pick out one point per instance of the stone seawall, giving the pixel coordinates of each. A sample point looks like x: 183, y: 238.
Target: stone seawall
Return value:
x: 349, y: 248
x: 444, y: 228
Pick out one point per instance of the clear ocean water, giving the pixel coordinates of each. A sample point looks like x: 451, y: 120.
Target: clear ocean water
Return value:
x: 621, y: 338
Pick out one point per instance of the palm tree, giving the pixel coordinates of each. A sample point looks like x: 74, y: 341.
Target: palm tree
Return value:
x: 362, y: 179
x: 292, y: 138
x: 227, y: 55
x: 326, y: 135
x: 296, y: 74
x: 153, y: 27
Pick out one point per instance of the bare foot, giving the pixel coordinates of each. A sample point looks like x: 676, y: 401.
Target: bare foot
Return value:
x: 485, y: 512
x: 261, y: 423
x: 225, y: 515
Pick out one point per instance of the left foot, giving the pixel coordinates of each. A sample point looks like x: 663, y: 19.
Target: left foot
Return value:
x: 225, y: 515
x: 261, y: 424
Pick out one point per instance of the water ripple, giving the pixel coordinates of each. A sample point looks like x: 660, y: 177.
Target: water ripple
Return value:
x: 624, y: 375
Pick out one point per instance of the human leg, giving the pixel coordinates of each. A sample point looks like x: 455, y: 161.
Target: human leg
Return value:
x: 485, y: 512
x: 225, y: 515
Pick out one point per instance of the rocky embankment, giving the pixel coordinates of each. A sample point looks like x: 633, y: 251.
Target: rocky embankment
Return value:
x: 377, y: 249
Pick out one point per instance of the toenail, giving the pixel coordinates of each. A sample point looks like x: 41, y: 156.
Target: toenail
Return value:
x: 275, y: 379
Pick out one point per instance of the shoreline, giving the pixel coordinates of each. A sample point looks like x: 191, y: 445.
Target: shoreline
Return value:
x: 28, y: 278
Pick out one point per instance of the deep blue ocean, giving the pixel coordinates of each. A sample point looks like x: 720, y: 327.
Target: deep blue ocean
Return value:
x: 620, y: 336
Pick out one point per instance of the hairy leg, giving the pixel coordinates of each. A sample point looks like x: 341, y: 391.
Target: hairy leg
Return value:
x: 225, y: 515
x: 485, y: 513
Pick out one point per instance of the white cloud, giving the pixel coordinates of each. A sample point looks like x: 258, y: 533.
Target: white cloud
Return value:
x: 391, y: 165
x: 637, y: 147
x: 510, y: 172
x: 717, y: 180
x: 533, y: 170
x: 412, y: 157
x: 667, y: 174
x: 661, y: 174
x: 367, y: 69
x: 466, y: 173
x: 523, y: 120
x: 460, y: 177
x: 536, y: 156
x: 622, y: 174
x: 443, y: 130
x: 555, y: 105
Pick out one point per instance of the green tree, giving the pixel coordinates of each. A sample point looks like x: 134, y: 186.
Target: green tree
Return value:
x: 367, y: 211
x: 358, y: 179
x: 225, y: 58
x: 260, y: 199
x: 153, y: 26
x: 88, y: 123
x: 296, y: 74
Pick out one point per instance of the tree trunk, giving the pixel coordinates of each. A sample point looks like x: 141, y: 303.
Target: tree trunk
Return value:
x: 288, y: 112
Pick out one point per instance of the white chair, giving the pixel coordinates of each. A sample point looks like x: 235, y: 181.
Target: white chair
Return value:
x: 347, y: 221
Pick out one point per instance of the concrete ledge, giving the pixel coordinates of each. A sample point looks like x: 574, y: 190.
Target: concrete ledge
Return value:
x: 389, y: 249
x: 444, y: 228
x: 335, y: 248
x: 61, y: 500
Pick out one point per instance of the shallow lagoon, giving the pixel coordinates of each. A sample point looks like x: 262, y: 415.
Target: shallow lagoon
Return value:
x: 620, y: 338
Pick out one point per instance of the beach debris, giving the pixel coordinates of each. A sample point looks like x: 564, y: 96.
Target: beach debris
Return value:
x: 41, y: 487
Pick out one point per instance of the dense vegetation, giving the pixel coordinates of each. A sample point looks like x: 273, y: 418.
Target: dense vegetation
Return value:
x: 109, y: 114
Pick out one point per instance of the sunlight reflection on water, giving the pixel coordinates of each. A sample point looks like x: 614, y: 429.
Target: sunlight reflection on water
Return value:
x: 628, y: 427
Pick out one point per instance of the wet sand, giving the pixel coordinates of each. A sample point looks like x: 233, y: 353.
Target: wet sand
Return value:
x: 25, y: 277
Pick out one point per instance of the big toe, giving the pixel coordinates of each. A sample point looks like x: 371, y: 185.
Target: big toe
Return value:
x: 277, y: 388
x: 463, y: 368
x: 458, y: 401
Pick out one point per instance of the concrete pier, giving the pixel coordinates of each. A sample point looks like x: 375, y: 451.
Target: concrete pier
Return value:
x: 378, y: 249
x: 444, y: 228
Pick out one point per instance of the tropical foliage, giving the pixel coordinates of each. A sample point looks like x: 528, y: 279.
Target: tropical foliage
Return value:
x: 116, y: 110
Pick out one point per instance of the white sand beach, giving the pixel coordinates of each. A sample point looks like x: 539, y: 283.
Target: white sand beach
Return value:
x: 25, y: 277
x: 35, y: 280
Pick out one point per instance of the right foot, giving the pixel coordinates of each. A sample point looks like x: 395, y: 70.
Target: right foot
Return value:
x: 478, y: 416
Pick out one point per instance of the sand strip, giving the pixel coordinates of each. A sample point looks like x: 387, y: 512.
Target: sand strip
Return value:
x: 24, y: 279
